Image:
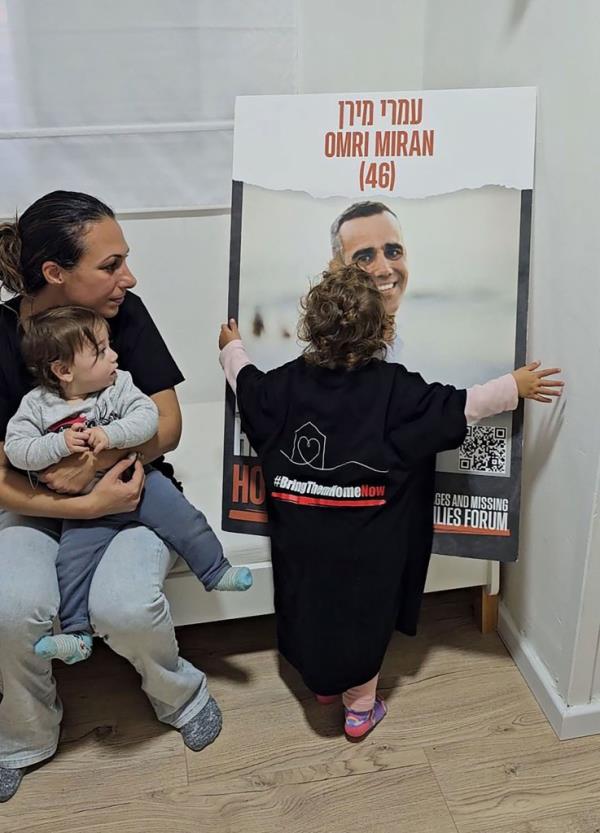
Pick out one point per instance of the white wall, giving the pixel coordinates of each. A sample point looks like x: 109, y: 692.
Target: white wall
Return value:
x: 552, y: 594
x: 353, y: 46
x: 182, y: 266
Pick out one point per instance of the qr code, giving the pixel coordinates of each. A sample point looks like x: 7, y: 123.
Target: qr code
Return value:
x: 484, y: 450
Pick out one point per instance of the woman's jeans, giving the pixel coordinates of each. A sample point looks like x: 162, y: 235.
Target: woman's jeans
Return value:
x: 128, y: 609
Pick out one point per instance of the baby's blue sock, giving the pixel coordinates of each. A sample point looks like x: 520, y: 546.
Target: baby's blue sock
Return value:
x: 70, y: 647
x: 235, y: 578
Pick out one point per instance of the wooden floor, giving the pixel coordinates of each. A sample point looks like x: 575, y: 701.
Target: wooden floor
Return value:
x: 464, y: 749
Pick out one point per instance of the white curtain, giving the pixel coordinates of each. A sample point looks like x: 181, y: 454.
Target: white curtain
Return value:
x: 132, y: 100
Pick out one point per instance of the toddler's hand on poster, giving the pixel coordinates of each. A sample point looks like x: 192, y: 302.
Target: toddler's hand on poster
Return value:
x: 229, y: 332
x: 98, y: 440
x: 534, y: 384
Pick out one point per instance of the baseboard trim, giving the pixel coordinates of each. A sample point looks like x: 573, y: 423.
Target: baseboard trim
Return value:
x: 567, y: 721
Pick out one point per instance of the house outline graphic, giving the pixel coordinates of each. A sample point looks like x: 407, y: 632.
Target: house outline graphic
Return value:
x: 303, y: 453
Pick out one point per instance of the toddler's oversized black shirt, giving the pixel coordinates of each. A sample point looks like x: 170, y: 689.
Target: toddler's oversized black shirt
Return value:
x: 348, y: 459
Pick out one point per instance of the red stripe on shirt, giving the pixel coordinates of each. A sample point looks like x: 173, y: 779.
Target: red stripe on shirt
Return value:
x: 319, y: 501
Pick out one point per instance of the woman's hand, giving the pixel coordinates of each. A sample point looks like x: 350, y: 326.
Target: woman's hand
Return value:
x: 112, y: 495
x: 71, y: 475
x: 229, y: 332
x: 534, y: 384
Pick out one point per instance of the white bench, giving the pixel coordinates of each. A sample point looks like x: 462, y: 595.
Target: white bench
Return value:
x: 198, y: 463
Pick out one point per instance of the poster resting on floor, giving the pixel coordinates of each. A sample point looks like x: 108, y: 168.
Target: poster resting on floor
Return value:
x: 430, y: 192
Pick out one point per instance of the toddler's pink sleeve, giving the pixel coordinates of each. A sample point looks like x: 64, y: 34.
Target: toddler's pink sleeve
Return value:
x: 232, y: 358
x: 494, y: 397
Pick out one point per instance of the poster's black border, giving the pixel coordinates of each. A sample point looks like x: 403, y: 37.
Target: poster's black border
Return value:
x: 233, y: 302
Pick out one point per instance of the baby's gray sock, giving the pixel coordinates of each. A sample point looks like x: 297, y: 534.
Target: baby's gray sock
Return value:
x: 9, y: 782
x: 204, y: 727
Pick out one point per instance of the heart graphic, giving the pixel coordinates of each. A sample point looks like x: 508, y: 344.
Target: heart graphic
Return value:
x: 308, y: 447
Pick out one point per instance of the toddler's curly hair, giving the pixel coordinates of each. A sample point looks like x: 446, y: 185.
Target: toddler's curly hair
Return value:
x: 343, y: 320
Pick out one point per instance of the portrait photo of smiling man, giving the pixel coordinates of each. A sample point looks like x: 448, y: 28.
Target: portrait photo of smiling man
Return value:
x: 446, y: 267
x: 369, y: 235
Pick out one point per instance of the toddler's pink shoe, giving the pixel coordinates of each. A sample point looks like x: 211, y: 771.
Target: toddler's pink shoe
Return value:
x: 359, y: 724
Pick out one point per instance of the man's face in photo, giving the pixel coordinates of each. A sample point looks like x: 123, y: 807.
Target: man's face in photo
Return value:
x: 376, y: 244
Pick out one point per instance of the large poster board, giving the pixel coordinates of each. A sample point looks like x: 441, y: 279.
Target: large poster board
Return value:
x: 455, y: 170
